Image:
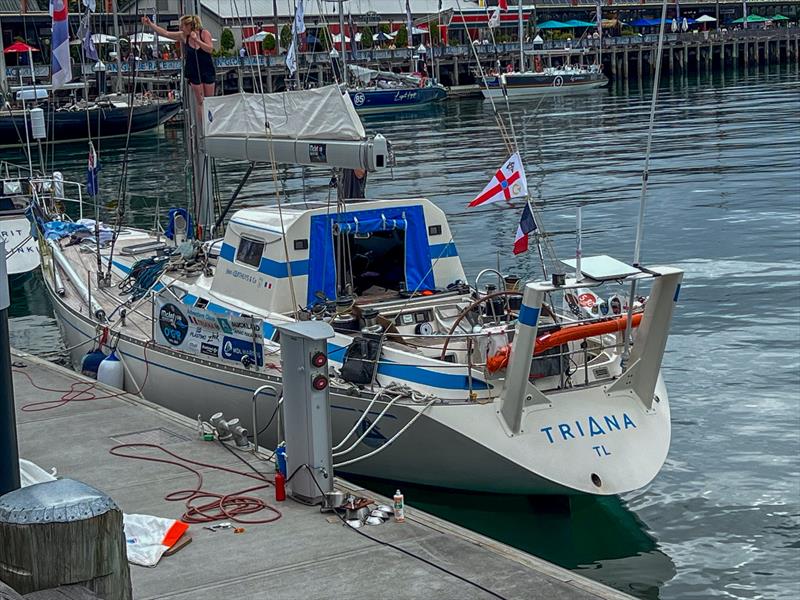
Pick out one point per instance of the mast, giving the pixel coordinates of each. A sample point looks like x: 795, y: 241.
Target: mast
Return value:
x: 3, y: 80
x: 345, y: 78
x: 203, y: 206
x: 521, y: 47
x: 118, y: 59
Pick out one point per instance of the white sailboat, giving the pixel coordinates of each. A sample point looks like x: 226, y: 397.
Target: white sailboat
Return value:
x: 433, y: 381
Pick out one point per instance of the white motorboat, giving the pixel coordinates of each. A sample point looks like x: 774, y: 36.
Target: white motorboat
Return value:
x: 494, y: 389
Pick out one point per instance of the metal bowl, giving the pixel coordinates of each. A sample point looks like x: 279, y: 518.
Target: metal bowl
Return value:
x: 380, y: 514
x: 374, y: 521
x: 361, y: 514
x: 385, y: 508
x: 354, y: 523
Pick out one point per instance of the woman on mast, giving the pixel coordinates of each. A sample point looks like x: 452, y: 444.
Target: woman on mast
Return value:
x: 197, y: 48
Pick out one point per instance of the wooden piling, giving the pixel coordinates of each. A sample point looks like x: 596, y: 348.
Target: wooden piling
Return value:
x: 61, y: 533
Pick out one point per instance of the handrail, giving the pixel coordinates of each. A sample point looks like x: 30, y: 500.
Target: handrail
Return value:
x: 260, y: 390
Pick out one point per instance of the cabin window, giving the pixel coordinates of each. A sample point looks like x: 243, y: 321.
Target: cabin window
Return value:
x: 434, y: 230
x: 250, y: 252
x: 301, y: 244
x: 201, y: 303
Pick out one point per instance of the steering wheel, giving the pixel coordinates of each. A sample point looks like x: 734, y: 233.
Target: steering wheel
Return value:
x: 464, y: 313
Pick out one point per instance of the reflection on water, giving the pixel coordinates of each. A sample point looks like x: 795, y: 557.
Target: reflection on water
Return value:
x: 722, y: 518
x: 598, y: 536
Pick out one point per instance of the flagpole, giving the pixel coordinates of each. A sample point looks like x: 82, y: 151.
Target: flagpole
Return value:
x: 521, y: 49
x: 578, y: 246
x: 538, y: 239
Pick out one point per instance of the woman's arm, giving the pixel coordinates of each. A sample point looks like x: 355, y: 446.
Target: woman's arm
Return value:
x: 173, y: 35
x: 204, y: 40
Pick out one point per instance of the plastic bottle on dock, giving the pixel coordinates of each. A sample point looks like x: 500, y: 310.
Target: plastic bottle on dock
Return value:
x: 110, y: 372
x: 399, y: 507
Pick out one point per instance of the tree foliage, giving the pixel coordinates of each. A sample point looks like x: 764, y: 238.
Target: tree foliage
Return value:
x: 366, y: 37
x: 401, y: 39
x: 226, y: 41
x: 286, y: 36
x: 268, y: 43
x: 435, y: 33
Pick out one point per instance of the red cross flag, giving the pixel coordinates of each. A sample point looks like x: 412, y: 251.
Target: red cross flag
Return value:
x: 509, y: 182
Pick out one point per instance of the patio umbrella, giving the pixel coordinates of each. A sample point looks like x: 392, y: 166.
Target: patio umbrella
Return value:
x: 674, y: 25
x: 147, y: 38
x: 641, y: 23
x: 684, y: 25
x: 553, y: 25
x: 19, y: 48
x: 705, y: 19
x: 102, y: 38
x: 259, y: 36
x: 381, y: 36
x: 577, y: 23
x: 751, y: 19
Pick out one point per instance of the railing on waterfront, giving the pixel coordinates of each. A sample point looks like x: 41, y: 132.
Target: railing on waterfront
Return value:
x: 488, y: 51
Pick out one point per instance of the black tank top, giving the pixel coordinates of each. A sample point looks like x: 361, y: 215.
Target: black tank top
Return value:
x: 199, y: 65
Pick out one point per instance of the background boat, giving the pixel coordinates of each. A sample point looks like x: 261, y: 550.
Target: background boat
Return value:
x: 106, y: 119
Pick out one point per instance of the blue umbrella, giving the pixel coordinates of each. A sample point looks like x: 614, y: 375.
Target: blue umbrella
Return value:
x: 553, y: 25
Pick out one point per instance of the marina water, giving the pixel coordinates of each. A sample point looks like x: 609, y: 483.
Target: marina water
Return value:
x: 722, y: 518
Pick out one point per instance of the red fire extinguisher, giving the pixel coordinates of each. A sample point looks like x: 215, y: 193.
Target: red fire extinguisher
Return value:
x: 280, y: 487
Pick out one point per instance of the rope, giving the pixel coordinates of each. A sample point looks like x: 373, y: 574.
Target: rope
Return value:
x: 232, y: 506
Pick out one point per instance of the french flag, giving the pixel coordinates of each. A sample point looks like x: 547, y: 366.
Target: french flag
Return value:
x: 526, y: 225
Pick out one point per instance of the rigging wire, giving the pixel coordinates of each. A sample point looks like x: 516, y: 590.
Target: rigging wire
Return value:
x: 626, y: 339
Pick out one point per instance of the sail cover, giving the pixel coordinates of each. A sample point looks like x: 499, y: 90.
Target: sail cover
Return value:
x: 318, y: 114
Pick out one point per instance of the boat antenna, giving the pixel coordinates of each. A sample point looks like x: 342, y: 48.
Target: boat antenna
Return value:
x: 122, y: 189
x: 645, y: 177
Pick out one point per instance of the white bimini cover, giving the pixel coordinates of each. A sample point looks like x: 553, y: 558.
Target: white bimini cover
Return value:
x: 318, y: 114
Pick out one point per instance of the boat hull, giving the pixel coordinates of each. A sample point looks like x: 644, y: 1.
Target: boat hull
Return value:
x: 380, y: 100
x: 537, y: 84
x: 67, y: 126
x: 21, y: 248
x: 456, y: 445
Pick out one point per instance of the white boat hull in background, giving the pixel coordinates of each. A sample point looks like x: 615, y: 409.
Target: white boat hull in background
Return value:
x: 21, y: 249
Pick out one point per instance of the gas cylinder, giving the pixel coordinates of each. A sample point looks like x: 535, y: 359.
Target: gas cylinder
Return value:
x: 280, y: 486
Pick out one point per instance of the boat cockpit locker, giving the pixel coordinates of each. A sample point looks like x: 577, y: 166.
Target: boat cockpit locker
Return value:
x: 374, y: 251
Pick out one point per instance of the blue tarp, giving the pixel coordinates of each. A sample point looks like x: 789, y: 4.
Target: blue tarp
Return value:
x: 411, y: 219
x: 55, y: 230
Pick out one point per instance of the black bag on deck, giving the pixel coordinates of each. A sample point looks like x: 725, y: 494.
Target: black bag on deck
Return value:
x: 360, y: 361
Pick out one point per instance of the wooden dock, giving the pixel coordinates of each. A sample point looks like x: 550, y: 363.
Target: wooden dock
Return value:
x: 303, y: 554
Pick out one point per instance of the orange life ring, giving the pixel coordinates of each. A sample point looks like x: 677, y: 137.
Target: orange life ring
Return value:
x: 570, y: 333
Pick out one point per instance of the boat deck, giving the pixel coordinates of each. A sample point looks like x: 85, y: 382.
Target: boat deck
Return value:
x: 303, y: 554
